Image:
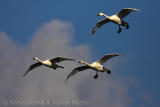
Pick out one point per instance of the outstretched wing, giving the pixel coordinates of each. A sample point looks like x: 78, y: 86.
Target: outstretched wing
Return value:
x: 31, y: 68
x: 124, y: 12
x: 76, y: 70
x: 59, y: 59
x: 106, y: 57
x: 99, y: 24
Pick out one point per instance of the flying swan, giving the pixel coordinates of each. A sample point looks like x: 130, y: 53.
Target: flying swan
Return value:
x: 48, y: 63
x: 97, y: 66
x: 116, y: 18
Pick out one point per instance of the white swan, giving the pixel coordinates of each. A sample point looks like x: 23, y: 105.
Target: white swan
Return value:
x: 97, y: 66
x: 48, y: 63
x: 116, y: 18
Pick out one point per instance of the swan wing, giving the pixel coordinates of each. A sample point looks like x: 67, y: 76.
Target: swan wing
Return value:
x: 99, y: 24
x: 31, y: 68
x: 76, y: 70
x: 124, y: 12
x: 106, y: 57
x: 59, y: 59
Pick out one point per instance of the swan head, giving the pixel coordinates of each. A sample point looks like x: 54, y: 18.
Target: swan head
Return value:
x: 81, y: 61
x: 35, y: 58
x: 101, y: 14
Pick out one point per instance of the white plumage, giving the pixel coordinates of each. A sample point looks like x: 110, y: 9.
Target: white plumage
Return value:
x: 116, y: 18
x: 48, y: 63
x: 97, y: 66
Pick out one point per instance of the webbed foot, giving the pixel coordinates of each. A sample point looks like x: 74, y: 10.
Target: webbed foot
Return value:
x: 119, y: 30
x: 127, y: 26
x: 96, y: 76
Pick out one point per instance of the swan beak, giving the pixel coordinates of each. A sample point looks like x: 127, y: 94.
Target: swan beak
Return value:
x: 98, y: 14
x: 80, y: 61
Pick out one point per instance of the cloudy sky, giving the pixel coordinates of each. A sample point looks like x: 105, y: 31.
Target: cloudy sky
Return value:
x: 50, y: 28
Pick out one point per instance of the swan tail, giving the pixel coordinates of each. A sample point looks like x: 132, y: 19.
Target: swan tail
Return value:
x: 61, y: 67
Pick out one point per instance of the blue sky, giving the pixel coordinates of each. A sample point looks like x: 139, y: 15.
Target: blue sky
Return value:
x: 140, y: 44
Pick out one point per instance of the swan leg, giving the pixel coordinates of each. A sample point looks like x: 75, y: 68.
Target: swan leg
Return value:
x: 108, y: 71
x: 119, y: 30
x: 127, y: 25
x: 96, y: 76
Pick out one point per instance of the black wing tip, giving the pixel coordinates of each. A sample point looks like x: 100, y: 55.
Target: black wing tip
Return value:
x: 92, y: 33
x: 72, y: 59
x: 59, y: 57
x: 118, y: 54
x: 65, y: 58
x: 67, y: 78
x: 24, y: 75
x: 69, y: 75
x: 135, y: 9
x: 115, y: 54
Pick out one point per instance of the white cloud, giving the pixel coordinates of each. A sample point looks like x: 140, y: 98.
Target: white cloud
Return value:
x: 53, y: 39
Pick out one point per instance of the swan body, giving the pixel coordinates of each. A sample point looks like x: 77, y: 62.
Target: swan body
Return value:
x: 116, y: 18
x: 51, y: 63
x: 47, y: 63
x: 97, y: 66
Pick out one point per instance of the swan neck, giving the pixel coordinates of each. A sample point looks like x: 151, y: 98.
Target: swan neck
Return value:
x: 39, y: 60
x: 85, y: 63
x: 106, y: 16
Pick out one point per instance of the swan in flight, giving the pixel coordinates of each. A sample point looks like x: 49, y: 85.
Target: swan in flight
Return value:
x: 116, y: 18
x: 48, y: 63
x: 97, y: 66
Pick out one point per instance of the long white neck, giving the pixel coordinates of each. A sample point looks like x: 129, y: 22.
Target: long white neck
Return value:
x: 106, y: 16
x: 85, y: 63
x: 39, y: 60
